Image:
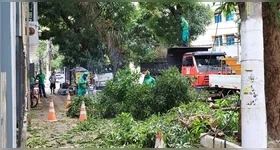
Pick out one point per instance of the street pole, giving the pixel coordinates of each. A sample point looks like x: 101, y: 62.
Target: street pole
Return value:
x: 35, y: 11
x: 48, y: 58
x: 254, y: 126
x: 238, y: 52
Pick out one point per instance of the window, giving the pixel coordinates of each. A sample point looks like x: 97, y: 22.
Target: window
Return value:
x: 218, y: 41
x: 205, y: 60
x: 188, y: 61
x: 230, y: 17
x: 218, y: 18
x: 230, y: 39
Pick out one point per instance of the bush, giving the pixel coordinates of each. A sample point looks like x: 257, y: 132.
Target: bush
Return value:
x: 139, y: 101
x: 76, y: 103
x: 125, y: 94
x: 172, y: 89
x: 112, y: 98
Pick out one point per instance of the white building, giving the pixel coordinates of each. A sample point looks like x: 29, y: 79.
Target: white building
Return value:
x: 225, y: 28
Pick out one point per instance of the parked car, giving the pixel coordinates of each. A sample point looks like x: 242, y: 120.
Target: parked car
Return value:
x: 60, y: 78
x: 102, y: 77
x: 65, y: 88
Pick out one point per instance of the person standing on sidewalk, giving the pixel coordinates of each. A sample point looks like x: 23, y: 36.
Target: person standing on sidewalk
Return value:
x: 41, y: 78
x: 52, y: 81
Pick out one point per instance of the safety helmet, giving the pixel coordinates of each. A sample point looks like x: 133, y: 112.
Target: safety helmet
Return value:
x: 182, y: 18
x: 86, y: 73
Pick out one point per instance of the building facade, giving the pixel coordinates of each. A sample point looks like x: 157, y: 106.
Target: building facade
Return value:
x: 222, y: 34
x: 14, y: 61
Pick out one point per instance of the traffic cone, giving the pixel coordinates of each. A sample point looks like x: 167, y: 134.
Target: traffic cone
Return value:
x: 83, y: 113
x: 68, y: 101
x: 51, y: 115
x: 159, y: 141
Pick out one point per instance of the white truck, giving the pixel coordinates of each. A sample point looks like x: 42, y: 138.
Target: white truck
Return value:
x: 225, y: 81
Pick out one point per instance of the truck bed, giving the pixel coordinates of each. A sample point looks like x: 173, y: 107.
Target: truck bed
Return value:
x: 154, y: 68
x: 225, y: 81
x: 173, y: 59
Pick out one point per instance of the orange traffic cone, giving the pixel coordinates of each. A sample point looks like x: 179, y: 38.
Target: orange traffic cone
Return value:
x: 83, y: 113
x: 51, y: 115
x: 68, y: 101
x: 159, y: 141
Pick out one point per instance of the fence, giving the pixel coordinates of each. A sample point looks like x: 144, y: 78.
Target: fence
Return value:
x: 3, y: 134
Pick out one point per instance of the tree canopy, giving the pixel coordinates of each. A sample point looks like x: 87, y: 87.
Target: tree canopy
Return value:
x: 89, y: 31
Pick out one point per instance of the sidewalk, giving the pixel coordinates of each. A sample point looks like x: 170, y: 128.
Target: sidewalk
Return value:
x: 47, y: 134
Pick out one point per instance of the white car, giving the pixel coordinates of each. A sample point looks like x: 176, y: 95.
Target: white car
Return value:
x: 102, y: 78
x: 60, y: 78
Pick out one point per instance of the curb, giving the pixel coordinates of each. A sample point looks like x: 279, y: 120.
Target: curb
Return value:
x: 208, y: 142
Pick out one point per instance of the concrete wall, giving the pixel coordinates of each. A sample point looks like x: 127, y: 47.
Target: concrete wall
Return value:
x: 224, y: 28
x: 207, y: 142
x: 8, y: 61
x: 231, y: 50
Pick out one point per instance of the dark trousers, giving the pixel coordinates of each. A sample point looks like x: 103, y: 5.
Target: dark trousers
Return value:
x: 52, y: 87
x: 42, y: 89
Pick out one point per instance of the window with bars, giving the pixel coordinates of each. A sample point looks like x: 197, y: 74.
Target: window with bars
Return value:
x: 230, y: 39
x: 218, y: 17
x: 219, y: 41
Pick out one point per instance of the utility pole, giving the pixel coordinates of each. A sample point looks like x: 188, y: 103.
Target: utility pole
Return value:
x: 50, y: 55
x: 35, y: 11
x: 254, y: 126
x: 48, y: 58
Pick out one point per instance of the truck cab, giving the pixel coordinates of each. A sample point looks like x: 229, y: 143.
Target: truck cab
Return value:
x: 198, y: 65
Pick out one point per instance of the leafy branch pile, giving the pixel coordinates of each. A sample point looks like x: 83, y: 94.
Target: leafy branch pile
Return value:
x: 126, y: 132
x: 141, y: 111
x: 125, y: 94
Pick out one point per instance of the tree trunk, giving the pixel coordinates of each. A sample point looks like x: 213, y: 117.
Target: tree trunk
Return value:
x: 114, y: 59
x: 239, y: 135
x: 271, y: 35
x: 114, y: 55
